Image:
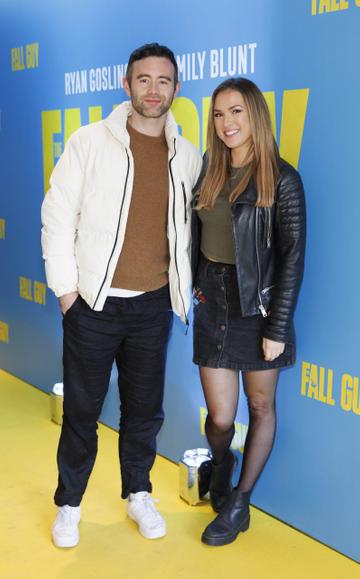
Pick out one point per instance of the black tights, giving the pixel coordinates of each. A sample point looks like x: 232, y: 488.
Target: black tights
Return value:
x: 221, y: 390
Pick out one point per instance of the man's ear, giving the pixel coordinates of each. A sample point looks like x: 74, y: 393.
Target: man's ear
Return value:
x: 177, y: 89
x: 127, y: 86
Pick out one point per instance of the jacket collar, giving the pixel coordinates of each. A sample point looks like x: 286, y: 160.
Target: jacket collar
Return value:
x: 116, y: 123
x: 248, y: 196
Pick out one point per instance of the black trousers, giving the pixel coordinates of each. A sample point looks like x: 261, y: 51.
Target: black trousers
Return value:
x: 133, y: 332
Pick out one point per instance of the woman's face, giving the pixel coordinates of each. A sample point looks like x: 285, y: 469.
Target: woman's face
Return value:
x: 232, y: 123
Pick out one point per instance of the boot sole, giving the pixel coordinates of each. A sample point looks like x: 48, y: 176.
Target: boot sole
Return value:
x: 219, y: 541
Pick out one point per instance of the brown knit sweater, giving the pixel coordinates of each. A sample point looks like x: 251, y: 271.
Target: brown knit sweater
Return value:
x: 144, y: 260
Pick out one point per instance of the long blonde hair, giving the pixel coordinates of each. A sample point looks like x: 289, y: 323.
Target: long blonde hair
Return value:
x: 263, y: 156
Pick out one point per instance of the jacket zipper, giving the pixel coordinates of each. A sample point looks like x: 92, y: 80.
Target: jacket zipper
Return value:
x: 261, y: 305
x: 268, y: 235
x: 174, y: 221
x: 117, y: 230
x: 235, y: 246
x: 266, y: 289
x: 185, y: 201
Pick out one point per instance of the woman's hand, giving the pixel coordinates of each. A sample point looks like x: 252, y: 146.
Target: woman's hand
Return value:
x: 272, y: 349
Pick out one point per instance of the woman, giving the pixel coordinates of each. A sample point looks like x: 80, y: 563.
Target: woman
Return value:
x: 248, y: 258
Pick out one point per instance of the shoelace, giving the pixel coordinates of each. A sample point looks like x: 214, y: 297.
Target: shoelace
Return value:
x: 149, y: 506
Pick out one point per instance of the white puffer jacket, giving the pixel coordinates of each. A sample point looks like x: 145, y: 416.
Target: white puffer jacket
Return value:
x: 85, y: 212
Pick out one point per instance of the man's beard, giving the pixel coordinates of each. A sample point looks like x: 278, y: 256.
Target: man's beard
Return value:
x: 151, y: 112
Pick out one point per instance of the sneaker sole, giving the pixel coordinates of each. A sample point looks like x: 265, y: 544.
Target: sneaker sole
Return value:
x: 65, y: 544
x: 149, y: 533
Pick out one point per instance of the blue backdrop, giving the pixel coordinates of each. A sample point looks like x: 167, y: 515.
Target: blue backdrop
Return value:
x: 61, y: 65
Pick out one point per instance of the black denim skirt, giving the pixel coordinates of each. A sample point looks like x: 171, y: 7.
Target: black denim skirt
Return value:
x: 223, y: 338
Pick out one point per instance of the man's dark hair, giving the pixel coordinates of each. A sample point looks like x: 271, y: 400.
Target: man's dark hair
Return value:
x: 153, y: 49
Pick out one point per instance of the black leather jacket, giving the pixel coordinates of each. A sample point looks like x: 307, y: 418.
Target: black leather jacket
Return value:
x: 269, y: 250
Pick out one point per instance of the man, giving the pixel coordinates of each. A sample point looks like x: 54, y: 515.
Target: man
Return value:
x: 116, y: 234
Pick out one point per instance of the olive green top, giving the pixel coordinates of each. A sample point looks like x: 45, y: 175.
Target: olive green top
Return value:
x: 217, y: 242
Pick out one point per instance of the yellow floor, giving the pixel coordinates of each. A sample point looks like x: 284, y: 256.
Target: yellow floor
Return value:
x: 110, y: 545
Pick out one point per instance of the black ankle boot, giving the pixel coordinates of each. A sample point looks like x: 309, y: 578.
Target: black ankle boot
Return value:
x: 234, y: 518
x: 220, y: 482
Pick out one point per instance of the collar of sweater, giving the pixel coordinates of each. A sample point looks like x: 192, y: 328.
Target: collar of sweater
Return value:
x: 117, y: 119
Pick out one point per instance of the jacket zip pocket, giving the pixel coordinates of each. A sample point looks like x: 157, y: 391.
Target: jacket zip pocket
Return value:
x: 185, y: 200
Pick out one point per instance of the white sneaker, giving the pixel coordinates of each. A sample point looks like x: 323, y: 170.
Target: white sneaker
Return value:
x: 141, y: 509
x: 65, y: 532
